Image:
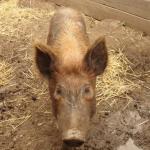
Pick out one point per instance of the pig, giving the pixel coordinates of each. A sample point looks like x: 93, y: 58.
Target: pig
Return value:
x: 70, y: 64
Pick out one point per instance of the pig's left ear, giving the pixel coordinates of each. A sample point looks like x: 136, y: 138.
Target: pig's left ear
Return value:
x: 44, y: 59
x: 96, y: 58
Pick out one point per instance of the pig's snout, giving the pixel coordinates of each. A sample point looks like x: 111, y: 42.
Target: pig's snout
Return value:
x: 73, y: 138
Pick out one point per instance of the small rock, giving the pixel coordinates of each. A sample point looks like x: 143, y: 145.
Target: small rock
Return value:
x: 14, y: 139
x: 129, y: 146
x: 34, y: 98
x: 40, y: 124
x: 21, y: 136
x: 29, y: 143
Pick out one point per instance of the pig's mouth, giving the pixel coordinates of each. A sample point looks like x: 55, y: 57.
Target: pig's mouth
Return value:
x: 73, y: 138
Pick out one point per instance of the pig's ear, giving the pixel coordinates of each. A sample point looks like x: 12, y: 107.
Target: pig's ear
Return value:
x: 96, y: 58
x: 44, y: 59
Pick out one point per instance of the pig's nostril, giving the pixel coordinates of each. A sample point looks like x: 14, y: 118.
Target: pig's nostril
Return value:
x: 73, y: 138
x: 73, y: 142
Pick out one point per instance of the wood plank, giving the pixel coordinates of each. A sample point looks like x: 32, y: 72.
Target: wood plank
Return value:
x: 139, y: 8
x: 99, y: 11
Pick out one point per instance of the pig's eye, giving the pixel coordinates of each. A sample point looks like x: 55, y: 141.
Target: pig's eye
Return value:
x: 58, y: 92
x: 87, y: 91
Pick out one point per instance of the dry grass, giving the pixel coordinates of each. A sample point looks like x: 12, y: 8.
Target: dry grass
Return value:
x: 6, y: 74
x: 14, y: 19
x: 15, y: 122
x: 115, y: 83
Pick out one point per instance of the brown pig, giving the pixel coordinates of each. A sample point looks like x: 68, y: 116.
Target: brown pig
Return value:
x: 71, y: 65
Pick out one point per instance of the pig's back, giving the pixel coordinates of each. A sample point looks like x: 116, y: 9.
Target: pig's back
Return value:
x: 69, y: 22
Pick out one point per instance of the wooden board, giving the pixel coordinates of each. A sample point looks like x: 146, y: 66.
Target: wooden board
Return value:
x: 139, y: 8
x: 100, y: 11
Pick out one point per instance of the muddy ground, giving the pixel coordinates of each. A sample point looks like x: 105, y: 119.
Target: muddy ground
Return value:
x: 26, y: 121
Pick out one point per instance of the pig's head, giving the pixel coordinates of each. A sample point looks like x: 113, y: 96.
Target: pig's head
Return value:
x: 72, y: 88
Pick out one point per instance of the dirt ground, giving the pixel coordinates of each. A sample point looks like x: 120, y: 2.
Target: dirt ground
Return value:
x: 26, y: 121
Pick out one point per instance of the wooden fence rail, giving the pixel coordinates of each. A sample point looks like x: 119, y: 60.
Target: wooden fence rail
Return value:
x: 136, y: 13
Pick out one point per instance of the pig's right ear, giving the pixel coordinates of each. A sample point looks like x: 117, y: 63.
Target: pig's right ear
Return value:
x: 96, y: 58
x: 44, y: 59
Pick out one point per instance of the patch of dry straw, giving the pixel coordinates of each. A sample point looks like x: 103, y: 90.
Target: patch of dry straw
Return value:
x: 14, y: 20
x: 115, y: 84
x: 6, y: 74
